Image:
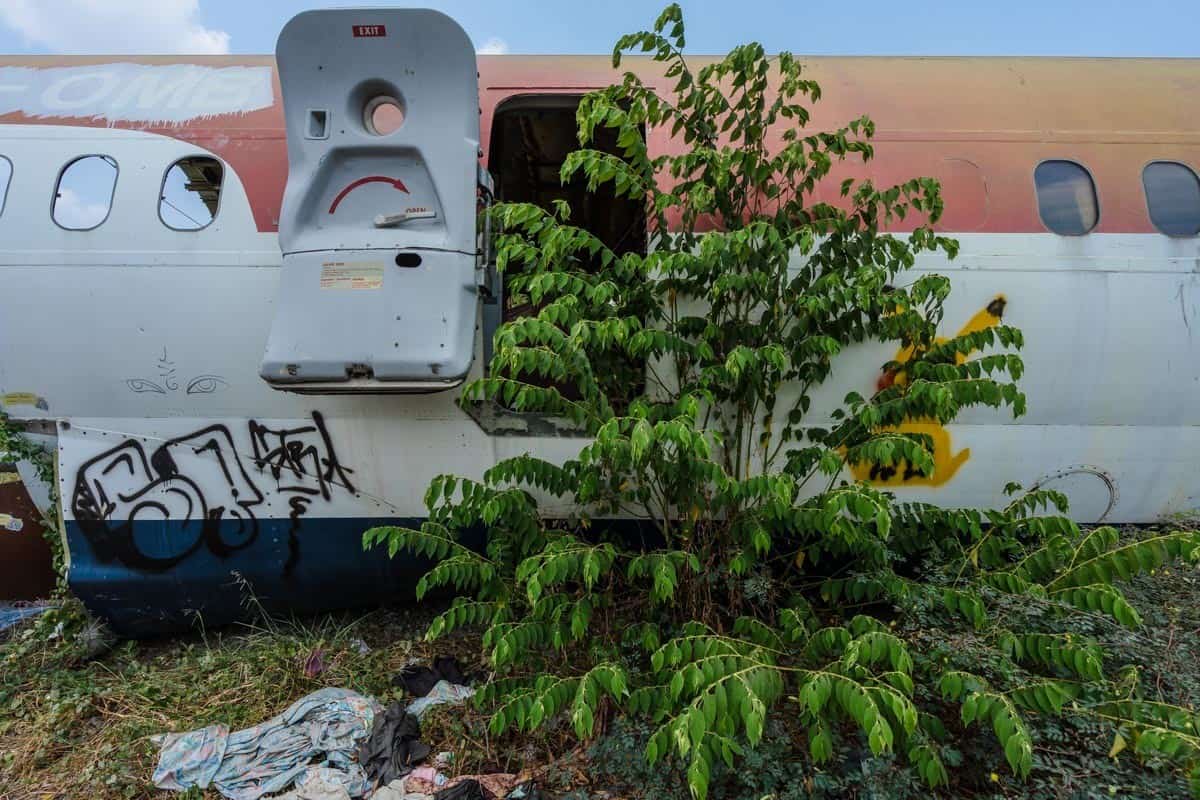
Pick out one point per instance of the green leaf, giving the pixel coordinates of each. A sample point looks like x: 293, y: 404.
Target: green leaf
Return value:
x: 1123, y: 563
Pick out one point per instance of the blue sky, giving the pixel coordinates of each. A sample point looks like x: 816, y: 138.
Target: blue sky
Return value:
x: 935, y: 27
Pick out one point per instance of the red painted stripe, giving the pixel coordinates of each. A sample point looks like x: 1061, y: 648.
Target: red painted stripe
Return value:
x: 980, y: 125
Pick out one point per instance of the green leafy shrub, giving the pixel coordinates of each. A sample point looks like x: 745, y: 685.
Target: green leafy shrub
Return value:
x: 773, y: 583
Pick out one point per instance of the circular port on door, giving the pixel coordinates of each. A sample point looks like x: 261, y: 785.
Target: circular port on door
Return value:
x: 383, y: 114
x: 408, y: 260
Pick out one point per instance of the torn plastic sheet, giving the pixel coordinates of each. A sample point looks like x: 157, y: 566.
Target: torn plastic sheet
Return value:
x: 442, y: 692
x: 11, y: 615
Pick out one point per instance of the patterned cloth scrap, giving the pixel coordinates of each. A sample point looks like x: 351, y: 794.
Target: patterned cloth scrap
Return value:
x: 320, y: 783
x: 427, y: 781
x: 321, y: 730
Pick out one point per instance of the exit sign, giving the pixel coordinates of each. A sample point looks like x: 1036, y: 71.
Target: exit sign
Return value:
x: 361, y: 31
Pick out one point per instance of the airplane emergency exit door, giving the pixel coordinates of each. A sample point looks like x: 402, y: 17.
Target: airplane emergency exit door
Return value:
x: 378, y: 291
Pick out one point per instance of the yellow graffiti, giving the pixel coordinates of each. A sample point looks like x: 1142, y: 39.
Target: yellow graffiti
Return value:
x: 946, y: 462
x: 24, y: 399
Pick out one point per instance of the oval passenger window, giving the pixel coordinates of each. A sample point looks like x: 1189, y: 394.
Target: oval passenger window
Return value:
x: 1173, y: 197
x: 84, y: 193
x: 1066, y: 197
x: 191, y: 193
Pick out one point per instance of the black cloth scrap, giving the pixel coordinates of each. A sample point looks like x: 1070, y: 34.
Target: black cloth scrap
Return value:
x: 393, y: 748
x: 419, y: 681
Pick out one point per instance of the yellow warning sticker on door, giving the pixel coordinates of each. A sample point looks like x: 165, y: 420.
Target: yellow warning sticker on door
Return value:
x: 19, y: 399
x: 352, y: 275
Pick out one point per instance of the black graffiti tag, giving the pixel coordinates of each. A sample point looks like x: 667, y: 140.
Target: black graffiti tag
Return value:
x: 295, y: 454
x: 196, y: 486
x: 302, y: 452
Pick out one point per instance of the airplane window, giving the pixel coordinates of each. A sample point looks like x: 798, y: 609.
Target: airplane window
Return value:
x: 191, y: 192
x: 1173, y: 197
x: 5, y: 177
x: 1066, y: 197
x: 84, y: 193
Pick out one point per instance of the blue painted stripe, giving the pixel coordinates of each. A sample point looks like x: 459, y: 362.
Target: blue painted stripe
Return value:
x: 323, y: 567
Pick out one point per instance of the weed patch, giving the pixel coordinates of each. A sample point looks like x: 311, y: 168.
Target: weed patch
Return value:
x: 78, y: 726
x: 73, y: 727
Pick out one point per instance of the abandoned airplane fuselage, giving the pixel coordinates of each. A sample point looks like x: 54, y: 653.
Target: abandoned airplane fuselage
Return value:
x: 244, y: 229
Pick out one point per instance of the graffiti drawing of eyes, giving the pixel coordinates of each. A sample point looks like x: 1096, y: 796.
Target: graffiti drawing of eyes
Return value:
x: 141, y: 385
x: 206, y: 384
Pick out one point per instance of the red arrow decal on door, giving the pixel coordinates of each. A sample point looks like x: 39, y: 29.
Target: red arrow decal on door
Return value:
x: 396, y: 182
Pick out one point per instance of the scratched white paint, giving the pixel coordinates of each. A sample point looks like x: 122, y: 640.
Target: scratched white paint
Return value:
x: 123, y: 92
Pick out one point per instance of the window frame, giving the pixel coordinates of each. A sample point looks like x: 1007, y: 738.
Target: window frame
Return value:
x: 220, y: 192
x: 560, y: 99
x: 1146, y: 196
x: 491, y: 416
x: 112, y: 197
x: 1037, y: 198
x: 7, y: 183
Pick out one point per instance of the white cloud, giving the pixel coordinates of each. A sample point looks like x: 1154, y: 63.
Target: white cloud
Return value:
x: 493, y: 46
x: 113, y: 26
x: 73, y: 212
x: 85, y: 192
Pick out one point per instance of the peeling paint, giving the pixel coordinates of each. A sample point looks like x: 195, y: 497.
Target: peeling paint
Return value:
x: 127, y: 92
x: 496, y: 420
x: 11, y: 523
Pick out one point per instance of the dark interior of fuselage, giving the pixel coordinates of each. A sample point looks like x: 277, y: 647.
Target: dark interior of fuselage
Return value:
x: 531, y: 137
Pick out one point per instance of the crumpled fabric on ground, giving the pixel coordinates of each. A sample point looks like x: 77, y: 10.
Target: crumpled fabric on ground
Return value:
x: 313, y: 785
x: 495, y: 784
x: 425, y: 780
x: 525, y: 791
x: 393, y: 748
x: 399, y: 790
x: 491, y: 786
x: 442, y: 692
x: 419, y: 681
x: 268, y: 757
x: 464, y: 789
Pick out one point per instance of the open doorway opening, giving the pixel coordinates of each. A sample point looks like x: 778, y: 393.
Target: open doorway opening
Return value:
x: 531, y: 138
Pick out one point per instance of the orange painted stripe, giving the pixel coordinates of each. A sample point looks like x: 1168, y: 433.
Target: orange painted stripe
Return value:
x: 980, y: 125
